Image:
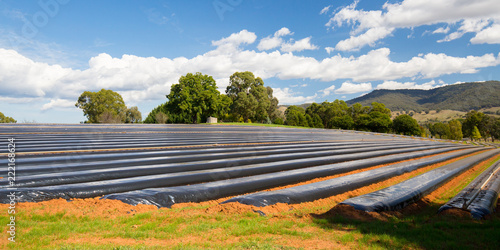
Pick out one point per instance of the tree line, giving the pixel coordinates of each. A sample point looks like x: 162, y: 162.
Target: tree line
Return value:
x: 338, y: 115
x: 475, y: 125
x: 195, y: 98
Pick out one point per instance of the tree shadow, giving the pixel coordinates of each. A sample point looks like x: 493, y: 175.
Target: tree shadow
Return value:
x: 417, y: 226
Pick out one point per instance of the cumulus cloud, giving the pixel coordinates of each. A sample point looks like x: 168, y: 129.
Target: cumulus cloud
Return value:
x: 489, y: 35
x: 275, y: 41
x: 352, y: 88
x: 287, y: 96
x: 300, y: 45
x: 327, y: 91
x: 372, y: 26
x: 329, y: 50
x: 58, y: 103
x: 441, y: 30
x: 411, y: 85
x: 140, y: 79
x: 468, y: 25
x: 235, y: 40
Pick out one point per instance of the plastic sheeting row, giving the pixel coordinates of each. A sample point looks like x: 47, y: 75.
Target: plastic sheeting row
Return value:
x: 402, y: 194
x: 327, y: 188
x: 189, y: 174
x: 166, y: 197
x: 480, y: 196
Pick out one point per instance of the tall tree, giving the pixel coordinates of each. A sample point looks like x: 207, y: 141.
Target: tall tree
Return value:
x: 195, y: 98
x: 440, y: 130
x: 455, y: 130
x: 495, y: 131
x: 295, y: 116
x: 475, y: 134
x: 250, y: 98
x: 6, y: 119
x: 95, y: 104
x: 473, y: 119
x: 133, y: 115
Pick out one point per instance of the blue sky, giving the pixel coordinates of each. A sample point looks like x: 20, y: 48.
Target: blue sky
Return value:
x: 307, y: 51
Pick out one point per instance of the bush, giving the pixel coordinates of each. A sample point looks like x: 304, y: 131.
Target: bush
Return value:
x: 405, y: 124
x: 278, y: 121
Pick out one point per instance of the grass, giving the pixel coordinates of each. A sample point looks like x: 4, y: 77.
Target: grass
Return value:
x: 288, y: 230
x: 257, y: 125
x: 425, y: 230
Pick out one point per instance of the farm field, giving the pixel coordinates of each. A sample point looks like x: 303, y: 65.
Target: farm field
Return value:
x: 211, y: 186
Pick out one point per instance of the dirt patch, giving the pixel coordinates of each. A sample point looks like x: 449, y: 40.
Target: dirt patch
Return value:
x: 352, y: 213
x: 455, y: 212
x: 93, y: 207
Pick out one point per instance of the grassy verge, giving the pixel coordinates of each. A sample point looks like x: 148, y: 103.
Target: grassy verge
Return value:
x: 258, y: 125
x: 286, y: 230
x: 424, y: 230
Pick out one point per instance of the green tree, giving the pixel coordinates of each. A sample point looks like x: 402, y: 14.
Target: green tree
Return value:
x: 151, y: 118
x: 473, y: 119
x: 440, y: 130
x: 406, y: 125
x: 342, y: 122
x: 95, y: 104
x: 455, y: 130
x: 379, y: 122
x: 161, y: 118
x: 133, y: 115
x: 316, y: 121
x: 109, y: 118
x: 250, y: 98
x: 475, y: 134
x: 195, y: 98
x: 295, y: 116
x: 495, y: 130
x: 6, y: 119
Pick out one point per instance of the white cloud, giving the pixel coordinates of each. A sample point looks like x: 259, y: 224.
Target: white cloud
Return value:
x: 368, y: 38
x: 140, y: 79
x: 468, y: 25
x: 329, y: 50
x: 237, y: 39
x: 283, y: 32
x: 351, y: 88
x: 269, y: 42
x: 58, y: 103
x: 489, y: 35
x: 410, y: 85
x: 287, y: 96
x: 325, y: 10
x: 327, y: 91
x: 372, y: 26
x: 441, y: 30
x: 300, y: 45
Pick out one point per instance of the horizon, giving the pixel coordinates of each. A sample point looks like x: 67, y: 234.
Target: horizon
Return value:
x: 54, y: 50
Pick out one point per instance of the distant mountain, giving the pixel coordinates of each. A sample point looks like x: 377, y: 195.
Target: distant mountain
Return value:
x: 461, y: 97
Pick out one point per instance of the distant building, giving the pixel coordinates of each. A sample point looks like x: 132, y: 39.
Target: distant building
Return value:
x: 211, y: 120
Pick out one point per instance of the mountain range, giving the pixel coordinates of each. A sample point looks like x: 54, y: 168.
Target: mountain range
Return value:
x: 460, y: 97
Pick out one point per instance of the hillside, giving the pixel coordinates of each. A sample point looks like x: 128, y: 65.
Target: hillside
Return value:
x: 460, y: 97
